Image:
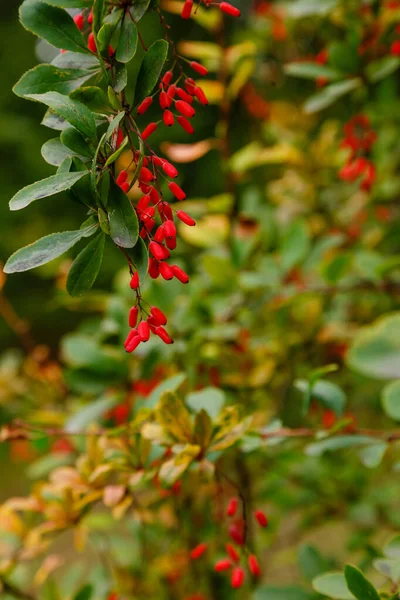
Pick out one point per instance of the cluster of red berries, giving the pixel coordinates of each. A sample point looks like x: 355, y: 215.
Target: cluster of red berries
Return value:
x: 359, y: 139
x: 153, y: 323
x: 224, y: 7
x: 80, y: 22
x: 231, y: 563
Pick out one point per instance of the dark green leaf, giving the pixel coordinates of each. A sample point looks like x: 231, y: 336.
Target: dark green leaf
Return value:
x: 70, y: 3
x: 85, y: 593
x: 44, y: 250
x: 76, y: 113
x: 128, y: 40
x: 150, y: 69
x: 86, y: 267
x: 104, y: 36
x: 329, y: 394
x: 75, y: 141
x: 359, y: 585
x: 45, y: 188
x: 93, y: 97
x: 121, y: 78
x: 53, y: 24
x: 271, y: 592
x: 122, y: 217
x: 138, y: 9
x: 98, y: 11
x: 45, y: 78
x: 139, y: 256
x: 115, y: 155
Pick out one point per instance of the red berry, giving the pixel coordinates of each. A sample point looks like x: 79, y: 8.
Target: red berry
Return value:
x: 143, y: 202
x: 151, y: 127
x: 133, y: 344
x: 120, y: 139
x: 158, y: 315
x: 187, y: 9
x: 154, y: 195
x: 232, y: 507
x: 125, y: 187
x: 184, y: 108
x: 79, y: 21
x: 185, y: 218
x: 153, y: 268
x: 146, y: 175
x: 144, y: 331
x: 166, y: 271
x: 169, y: 169
x: 167, y: 78
x: 254, y: 565
x: 165, y: 211
x: 122, y: 177
x: 177, y: 191
x: 180, y: 274
x: 171, y: 91
x: 90, y: 18
x: 236, y: 534
x: 147, y: 102
x: 132, y: 334
x: 134, y: 281
x: 170, y: 229
x: 92, y: 43
x: 261, y: 518
x: 222, y: 565
x: 237, y: 578
x: 184, y: 95
x: 232, y: 552
x: 229, y: 9
x: 158, y: 251
x: 395, y: 48
x: 198, y: 551
x: 200, y: 69
x: 165, y: 100
x: 184, y: 123
x: 159, y: 236
x: 200, y: 95
x: 168, y: 118
x: 133, y: 315
x: 162, y: 334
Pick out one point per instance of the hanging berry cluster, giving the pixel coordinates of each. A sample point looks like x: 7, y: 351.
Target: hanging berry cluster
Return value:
x: 359, y: 138
x: 104, y: 39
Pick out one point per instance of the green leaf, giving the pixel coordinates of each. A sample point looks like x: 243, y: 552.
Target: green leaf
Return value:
x: 46, y: 78
x: 44, y: 250
x: 392, y: 548
x: 332, y: 585
x: 74, y: 140
x: 83, y: 351
x: 329, y: 394
x: 174, y: 417
x: 295, y: 244
x: 128, y: 40
x: 311, y: 562
x: 86, y: 267
x: 379, y: 69
x: 150, y: 69
x: 114, y: 124
x: 98, y: 11
x: 270, y: 592
x: 45, y: 188
x: 54, y: 152
x: 92, y: 413
x: 311, y: 70
x: 52, y: 24
x: 76, y: 113
x: 307, y: 8
x: 124, y: 226
x: 375, y: 351
x: 371, y: 456
x: 209, y: 399
x: 139, y: 256
x: 359, y: 585
x: 168, y: 385
x: 391, y: 400
x: 339, y: 443
x: 173, y: 469
x: 115, y: 155
x: 70, y: 3
x: 74, y: 60
x: 330, y: 94
x: 120, y: 78
x: 85, y: 593
x: 93, y: 97
x: 139, y: 9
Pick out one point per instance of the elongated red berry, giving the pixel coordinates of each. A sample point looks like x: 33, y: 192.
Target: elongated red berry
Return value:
x: 165, y: 100
x: 228, y: 9
x: 170, y: 242
x: 198, y: 551
x: 166, y: 271
x: 236, y: 534
x: 151, y: 127
x: 120, y: 138
x: 158, y: 251
x: 184, y: 95
x: 133, y: 315
x: 125, y: 187
x: 232, y: 507
x: 79, y: 21
x: 187, y: 9
x: 144, y: 331
x: 163, y: 335
x: 169, y: 169
x: 167, y: 78
x: 185, y: 109
x: 146, y: 175
x: 232, y: 553
x: 143, y: 106
x: 90, y: 18
x: 237, y: 578
x: 154, y: 195
x: 159, y: 235
x: 158, y: 315
x: 254, y: 565
x: 92, y: 43
x: 200, y: 95
x: 170, y: 229
x: 176, y: 190
x: 153, y: 268
x: 223, y: 565
x: 133, y: 344
x: 184, y: 123
x: 132, y: 334
x: 261, y: 518
x: 172, y: 91
x: 134, y: 281
x: 168, y: 118
x: 200, y: 69
x: 185, y: 218
x: 180, y: 275
x: 143, y: 202
x: 190, y: 85
x: 122, y: 177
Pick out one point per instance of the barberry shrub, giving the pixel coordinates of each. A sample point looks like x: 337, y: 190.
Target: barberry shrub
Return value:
x: 256, y: 457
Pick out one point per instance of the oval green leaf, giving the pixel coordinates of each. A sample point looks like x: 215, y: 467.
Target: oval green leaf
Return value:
x: 359, y: 585
x: 45, y: 188
x: 150, y: 69
x: 124, y: 226
x: 46, y: 78
x: 86, y: 267
x: 128, y: 40
x: 332, y: 585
